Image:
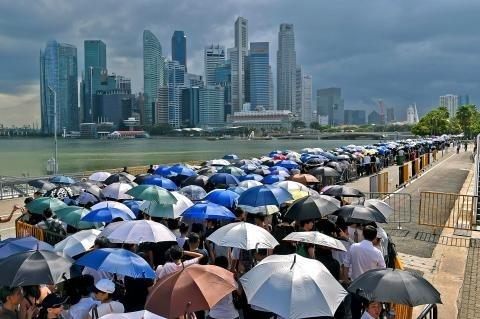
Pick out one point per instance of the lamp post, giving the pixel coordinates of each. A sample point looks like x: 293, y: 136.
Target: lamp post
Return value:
x: 55, y: 169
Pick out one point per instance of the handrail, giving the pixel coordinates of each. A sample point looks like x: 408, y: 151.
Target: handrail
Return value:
x: 429, y: 312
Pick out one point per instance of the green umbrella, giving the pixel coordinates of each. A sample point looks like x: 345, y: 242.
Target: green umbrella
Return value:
x: 152, y: 193
x: 71, y: 215
x: 235, y: 171
x: 39, y: 205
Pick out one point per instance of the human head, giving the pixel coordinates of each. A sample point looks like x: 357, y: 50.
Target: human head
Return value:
x: 37, y: 194
x: 11, y: 296
x: 370, y: 233
x: 28, y: 200
x: 373, y: 309
x: 221, y: 261
x: 183, y: 228
x: 31, y: 291
x: 103, y: 289
x: 239, y: 213
x: 307, y: 225
x: 175, y: 253
x: 52, y: 305
x: 259, y: 220
x: 101, y: 242
x: 193, y: 240
x: 47, y: 213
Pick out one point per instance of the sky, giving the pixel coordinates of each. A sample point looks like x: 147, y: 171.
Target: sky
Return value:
x: 400, y: 51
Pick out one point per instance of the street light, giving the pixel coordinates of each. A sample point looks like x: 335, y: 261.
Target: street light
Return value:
x: 55, y: 169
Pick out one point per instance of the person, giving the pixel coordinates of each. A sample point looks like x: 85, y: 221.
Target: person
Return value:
x: 183, y: 234
x: 225, y: 308
x: 11, y: 297
x: 372, y: 310
x: 136, y: 291
x: 458, y: 148
x: 51, y: 224
x: 175, y: 254
x: 150, y: 170
x: 100, y: 242
x: 125, y: 170
x: 103, y: 291
x: 324, y: 255
x: 306, y: 250
x: 52, y: 307
x: 367, y: 164
x: 465, y: 146
x: 193, y: 244
x: 6, y: 219
x: 81, y: 309
x: 32, y: 297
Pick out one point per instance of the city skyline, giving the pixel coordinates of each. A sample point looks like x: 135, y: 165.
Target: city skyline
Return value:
x: 366, y: 63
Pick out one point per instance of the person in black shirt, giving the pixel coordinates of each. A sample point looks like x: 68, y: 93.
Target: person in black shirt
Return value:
x: 150, y: 169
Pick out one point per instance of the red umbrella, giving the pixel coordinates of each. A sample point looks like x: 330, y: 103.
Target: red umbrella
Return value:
x: 279, y: 157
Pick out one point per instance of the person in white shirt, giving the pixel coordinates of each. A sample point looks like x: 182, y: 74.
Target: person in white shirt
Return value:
x: 372, y: 311
x: 103, y: 291
x: 366, y: 162
x: 176, y: 254
x: 224, y: 309
x: 81, y: 310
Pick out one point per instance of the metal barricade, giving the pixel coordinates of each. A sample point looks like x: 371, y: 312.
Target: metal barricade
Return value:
x: 429, y: 312
x: 23, y: 229
x: 447, y: 210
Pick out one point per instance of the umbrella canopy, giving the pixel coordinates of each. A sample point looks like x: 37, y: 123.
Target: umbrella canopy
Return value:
x: 193, y: 192
x: 207, y: 171
x: 272, y: 179
x: 235, y: 171
x: 305, y: 179
x: 315, y: 238
x: 288, y: 164
x: 395, y: 285
x: 142, y: 314
x: 134, y: 205
x: 60, y: 192
x: 121, y: 177
x: 99, y: 176
x: 38, y: 206
x: 264, y: 195
x: 117, y: 261
x: 77, y: 243
x: 218, y: 162
x: 379, y: 205
x: 155, y: 209
x: 38, y: 267
x: 200, y: 180
x: 12, y: 246
x: 243, y: 235
x: 207, y: 210
x: 85, y: 197
x: 114, y: 204
x: 249, y: 183
x: 152, y: 193
x: 107, y: 214
x: 72, y: 215
x: 117, y: 191
x: 224, y: 197
x: 42, y: 184
x: 343, y: 191
x: 260, y: 210
x: 293, y: 287
x: 195, y: 288
x: 230, y: 157
x: 252, y: 177
x: 312, y: 207
x: 237, y: 189
x: 360, y: 214
x: 292, y: 186
x: 140, y: 231
x: 65, y: 180
x: 323, y: 171
x: 159, y: 181
x: 181, y: 170
x: 223, y: 179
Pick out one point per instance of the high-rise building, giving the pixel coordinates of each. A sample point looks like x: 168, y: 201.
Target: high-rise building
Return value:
x: 286, y: 68
x: 192, y: 80
x: 175, y: 77
x: 95, y: 75
x: 211, y: 106
x: 223, y: 77
x: 463, y: 99
x: 307, y: 99
x: 270, y: 88
x: 179, y: 48
x: 355, y: 117
x: 113, y: 106
x: 375, y: 118
x: 190, y: 106
x: 390, y: 115
x: 237, y: 56
x: 59, y: 80
x: 214, y: 55
x: 412, y: 114
x: 298, y: 111
x: 153, y: 74
x: 330, y: 104
x: 259, y: 74
x: 450, y: 101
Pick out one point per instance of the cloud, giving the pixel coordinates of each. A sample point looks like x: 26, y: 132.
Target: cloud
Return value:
x: 401, y: 51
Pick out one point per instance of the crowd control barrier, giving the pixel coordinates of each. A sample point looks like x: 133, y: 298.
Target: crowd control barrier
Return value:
x: 379, y: 183
x: 403, y: 174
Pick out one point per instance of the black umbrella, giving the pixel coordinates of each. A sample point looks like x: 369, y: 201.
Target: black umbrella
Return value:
x: 207, y: 171
x: 200, y: 180
x: 323, y: 171
x: 312, y: 207
x: 261, y: 171
x: 38, y: 267
x: 119, y: 178
x: 42, y: 184
x: 343, y: 191
x: 335, y: 165
x: 360, y: 214
x: 396, y: 286
x: 60, y: 192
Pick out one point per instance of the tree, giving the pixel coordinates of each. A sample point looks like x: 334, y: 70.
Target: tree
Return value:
x: 466, y: 116
x: 297, y: 124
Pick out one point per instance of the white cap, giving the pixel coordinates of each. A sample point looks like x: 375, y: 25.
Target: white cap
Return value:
x: 105, y: 285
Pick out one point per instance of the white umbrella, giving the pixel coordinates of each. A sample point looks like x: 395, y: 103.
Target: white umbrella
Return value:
x: 316, y: 238
x: 142, y: 314
x: 99, y: 176
x: 249, y: 183
x: 139, y: 231
x: 262, y: 210
x: 218, y: 162
x: 117, y: 191
x: 292, y: 186
x: 155, y: 209
x: 113, y: 204
x: 77, y: 243
x: 243, y: 235
x: 381, y: 206
x: 293, y: 287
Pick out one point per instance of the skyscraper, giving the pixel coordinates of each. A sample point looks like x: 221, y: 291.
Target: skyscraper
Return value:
x: 214, y: 55
x: 298, y: 110
x: 259, y: 74
x: 286, y: 68
x: 179, y: 48
x: 237, y: 56
x: 307, y: 99
x: 450, y: 101
x: 190, y: 106
x: 153, y: 74
x: 463, y: 99
x: 270, y: 88
x: 330, y: 104
x: 95, y: 75
x: 175, y: 77
x: 59, y: 76
x: 223, y: 77
x: 211, y: 106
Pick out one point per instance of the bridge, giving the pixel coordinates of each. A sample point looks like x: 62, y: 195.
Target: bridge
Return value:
x: 348, y: 136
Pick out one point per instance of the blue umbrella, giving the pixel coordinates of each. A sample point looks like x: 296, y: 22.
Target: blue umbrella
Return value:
x: 193, y: 192
x: 278, y: 168
x: 117, y: 261
x: 163, y: 170
x: 273, y: 153
x: 281, y: 173
x: 252, y: 177
x: 237, y: 189
x: 223, y: 178
x: 12, y: 246
x: 207, y: 210
x: 179, y: 169
x: 230, y: 157
x: 328, y: 155
x: 159, y: 181
x: 249, y: 167
x: 273, y: 178
x: 224, y: 197
x: 106, y: 214
x: 134, y: 205
x: 288, y: 164
x: 62, y: 180
x: 264, y: 195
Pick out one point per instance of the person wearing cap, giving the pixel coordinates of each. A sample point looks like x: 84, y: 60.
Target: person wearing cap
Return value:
x: 103, y: 291
x: 52, y: 307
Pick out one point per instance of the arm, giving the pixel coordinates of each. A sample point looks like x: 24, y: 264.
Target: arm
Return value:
x: 9, y: 217
x: 192, y: 254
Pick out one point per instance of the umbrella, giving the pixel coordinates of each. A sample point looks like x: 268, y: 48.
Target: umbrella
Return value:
x: 159, y: 181
x: 37, y: 267
x: 218, y: 162
x: 230, y: 157
x: 243, y: 235
x: 152, y: 193
x: 12, y: 246
x: 117, y: 191
x: 396, y: 286
x: 237, y: 189
x: 38, y: 206
x: 223, y: 197
x: 140, y: 177
x: 288, y: 164
x: 323, y: 171
x: 207, y: 171
x: 62, y: 180
x: 42, y: 184
x: 99, y: 176
x: 278, y: 168
x: 119, y: 178
x: 360, y: 214
x: 181, y: 170
x: 293, y: 287
x: 140, y: 231
x: 193, y: 192
x: 88, y: 187
x: 134, y: 205
x: 305, y: 179
x: 335, y: 165
x: 117, y: 261
x: 252, y: 177
x: 207, y: 210
x: 312, y: 207
x: 292, y: 186
x: 72, y: 215
x: 142, y: 314
x: 194, y: 288
x: 107, y: 214
x: 77, y: 243
x: 223, y: 179
x: 155, y: 209
x: 379, y: 205
x: 200, y: 180
x: 272, y: 179
x: 316, y: 238
x: 60, y: 192
x: 85, y: 197
x: 343, y: 191
x: 261, y: 210
x: 235, y: 171
x: 264, y: 195
x: 249, y: 184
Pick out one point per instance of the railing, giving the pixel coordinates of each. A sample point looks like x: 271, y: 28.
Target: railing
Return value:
x: 430, y: 312
x: 23, y: 229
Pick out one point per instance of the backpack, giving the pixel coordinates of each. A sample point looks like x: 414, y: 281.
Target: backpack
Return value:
x: 55, y: 227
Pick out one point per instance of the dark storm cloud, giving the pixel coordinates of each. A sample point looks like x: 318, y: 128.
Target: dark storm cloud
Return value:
x: 401, y: 51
